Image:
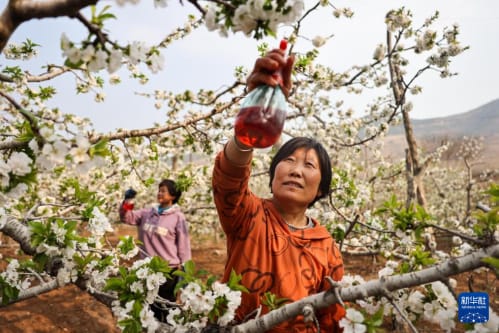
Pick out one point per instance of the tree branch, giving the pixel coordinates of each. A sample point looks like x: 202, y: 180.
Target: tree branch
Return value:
x: 18, y: 232
x: 20, y: 11
x: 371, y: 288
x: 53, y: 71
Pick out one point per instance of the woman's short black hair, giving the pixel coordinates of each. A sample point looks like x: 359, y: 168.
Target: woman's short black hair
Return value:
x: 324, y: 162
x: 172, y: 189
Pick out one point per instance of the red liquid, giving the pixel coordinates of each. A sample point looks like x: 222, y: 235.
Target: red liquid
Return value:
x: 257, y: 127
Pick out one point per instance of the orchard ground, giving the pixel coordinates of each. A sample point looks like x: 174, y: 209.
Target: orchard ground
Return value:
x: 72, y: 310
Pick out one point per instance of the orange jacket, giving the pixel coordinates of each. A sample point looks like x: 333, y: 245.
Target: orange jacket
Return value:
x: 270, y: 257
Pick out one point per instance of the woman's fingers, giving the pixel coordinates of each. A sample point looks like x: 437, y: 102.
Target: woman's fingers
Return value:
x: 264, y: 68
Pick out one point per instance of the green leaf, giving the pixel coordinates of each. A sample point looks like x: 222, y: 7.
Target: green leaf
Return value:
x: 234, y: 280
x: 158, y: 264
x: 493, y: 262
x: 99, y: 149
x: 338, y: 234
x: 115, y: 283
x: 272, y: 301
x: 131, y: 325
x: 8, y: 292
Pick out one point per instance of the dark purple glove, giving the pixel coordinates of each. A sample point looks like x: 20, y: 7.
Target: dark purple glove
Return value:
x: 130, y: 193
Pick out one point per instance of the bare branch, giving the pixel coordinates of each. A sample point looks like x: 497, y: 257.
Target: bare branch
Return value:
x: 52, y: 72
x: 20, y: 11
x: 18, y: 232
x: 123, y: 134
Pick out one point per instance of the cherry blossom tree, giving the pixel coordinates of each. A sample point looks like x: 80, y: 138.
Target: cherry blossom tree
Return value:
x: 60, y: 179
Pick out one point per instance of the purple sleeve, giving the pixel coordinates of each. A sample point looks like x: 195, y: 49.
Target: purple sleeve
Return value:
x: 183, y: 241
x: 131, y: 216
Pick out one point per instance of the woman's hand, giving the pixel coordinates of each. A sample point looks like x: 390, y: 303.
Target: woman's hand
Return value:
x: 264, y: 71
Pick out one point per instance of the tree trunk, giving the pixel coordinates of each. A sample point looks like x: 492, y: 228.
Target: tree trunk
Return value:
x: 414, y: 168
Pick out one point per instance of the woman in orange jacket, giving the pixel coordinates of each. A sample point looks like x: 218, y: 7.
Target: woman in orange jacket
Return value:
x: 272, y: 242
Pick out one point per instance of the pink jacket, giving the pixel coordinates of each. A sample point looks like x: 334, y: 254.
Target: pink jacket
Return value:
x: 164, y: 235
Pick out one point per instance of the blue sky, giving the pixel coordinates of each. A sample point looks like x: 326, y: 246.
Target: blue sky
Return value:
x: 205, y: 60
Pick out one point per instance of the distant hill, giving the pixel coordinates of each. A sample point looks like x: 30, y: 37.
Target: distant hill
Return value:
x: 482, y: 121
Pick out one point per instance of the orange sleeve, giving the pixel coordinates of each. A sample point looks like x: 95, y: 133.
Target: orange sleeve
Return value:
x: 230, y: 185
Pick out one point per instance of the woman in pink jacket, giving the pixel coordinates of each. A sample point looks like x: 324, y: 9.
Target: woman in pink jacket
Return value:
x: 163, y: 232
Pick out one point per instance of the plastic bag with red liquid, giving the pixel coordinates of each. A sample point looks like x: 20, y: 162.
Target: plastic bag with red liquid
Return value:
x: 260, y: 120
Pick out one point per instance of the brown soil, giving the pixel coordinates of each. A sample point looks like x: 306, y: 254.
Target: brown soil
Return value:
x: 72, y: 310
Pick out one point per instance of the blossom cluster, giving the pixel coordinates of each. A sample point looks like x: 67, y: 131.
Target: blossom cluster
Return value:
x: 97, y: 59
x: 198, y: 305
x: 435, y: 303
x: 139, y: 285
x: 67, y: 166
x: 12, y: 277
x: 353, y: 322
x: 253, y: 15
x: 142, y: 284
x: 18, y: 164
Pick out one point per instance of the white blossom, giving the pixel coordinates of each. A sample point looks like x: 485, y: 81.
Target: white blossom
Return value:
x: 156, y: 62
x: 379, y: 52
x: 60, y: 232
x: 386, y: 271
x: 210, y: 17
x: 114, y: 60
x: 318, y: 41
x: 98, y: 61
x: 99, y: 224
x: 155, y: 280
x: 18, y: 191
x: 170, y: 318
x: 73, y: 54
x: 160, y: 3
x: 87, y: 53
x: 65, y: 42
x: 415, y: 301
x: 138, y: 52
x: 79, y: 152
x: 148, y: 320
x: 19, y: 163
x: 352, y: 322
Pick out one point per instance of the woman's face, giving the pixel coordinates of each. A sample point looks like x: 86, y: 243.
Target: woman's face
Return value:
x: 297, y: 178
x: 165, y: 199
